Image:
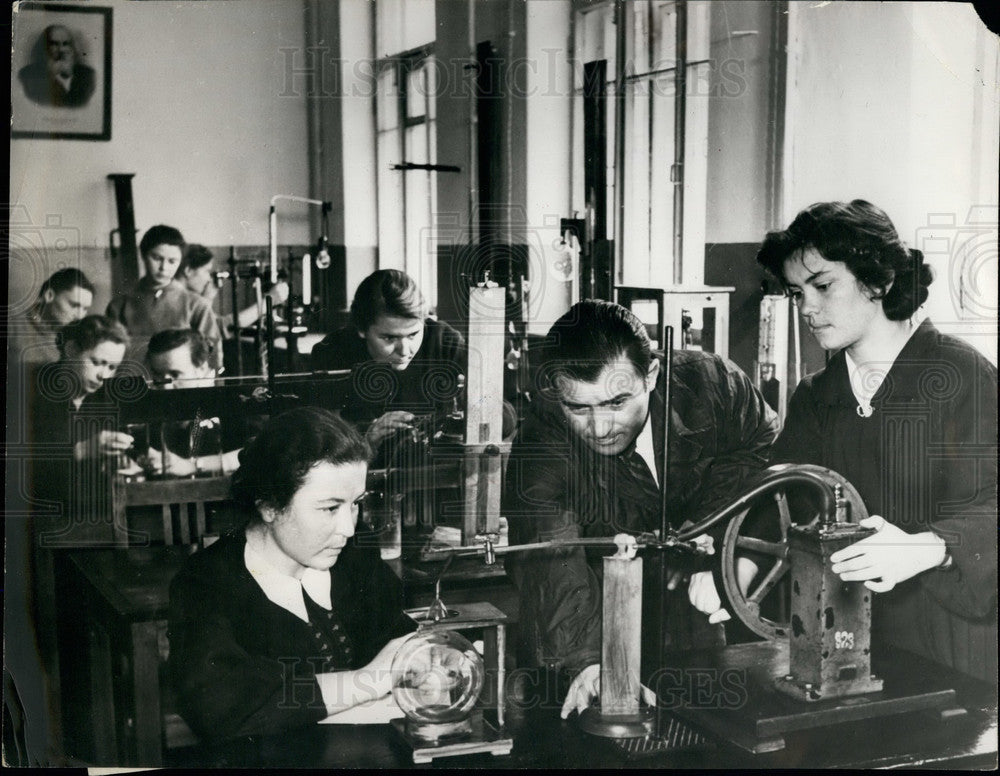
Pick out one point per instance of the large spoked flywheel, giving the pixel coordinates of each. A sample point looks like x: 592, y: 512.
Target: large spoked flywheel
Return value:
x: 764, y: 607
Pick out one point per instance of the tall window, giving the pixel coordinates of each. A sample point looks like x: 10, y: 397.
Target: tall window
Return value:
x: 405, y: 113
x: 650, y: 56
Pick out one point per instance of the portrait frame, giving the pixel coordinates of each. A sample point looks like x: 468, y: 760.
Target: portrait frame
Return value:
x: 79, y: 107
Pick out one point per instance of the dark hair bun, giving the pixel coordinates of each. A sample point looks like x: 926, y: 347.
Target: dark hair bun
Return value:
x: 909, y: 287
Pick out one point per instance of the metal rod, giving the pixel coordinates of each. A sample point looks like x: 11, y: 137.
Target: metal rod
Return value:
x: 234, y: 279
x: 776, y: 112
x: 772, y: 480
x: 269, y: 341
x: 405, y: 166
x: 668, y: 350
x: 618, y: 257
x: 680, y: 113
x: 639, y: 77
x: 553, y: 544
x: 473, y: 124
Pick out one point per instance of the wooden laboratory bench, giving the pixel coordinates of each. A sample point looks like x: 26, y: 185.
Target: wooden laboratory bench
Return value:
x: 118, y: 601
x: 543, y: 740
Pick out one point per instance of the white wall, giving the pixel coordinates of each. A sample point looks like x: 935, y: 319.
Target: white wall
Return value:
x: 736, y: 201
x: 202, y: 116
x: 358, y: 120
x: 897, y: 103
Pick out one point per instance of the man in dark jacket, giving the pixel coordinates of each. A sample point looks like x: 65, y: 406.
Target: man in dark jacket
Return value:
x: 586, y: 463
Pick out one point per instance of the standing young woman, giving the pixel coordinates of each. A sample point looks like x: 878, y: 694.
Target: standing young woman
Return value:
x: 909, y: 416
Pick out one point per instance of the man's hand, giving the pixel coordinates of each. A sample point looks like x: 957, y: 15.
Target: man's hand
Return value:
x: 706, y: 546
x: 586, y: 688
x: 171, y: 464
x: 279, y: 293
x: 705, y: 597
x: 386, y: 425
x: 102, y: 443
x: 889, y: 556
x: 583, y: 690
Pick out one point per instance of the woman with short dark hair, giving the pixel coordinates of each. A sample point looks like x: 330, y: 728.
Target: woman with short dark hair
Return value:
x: 908, y: 415
x: 291, y: 617
x: 90, y: 352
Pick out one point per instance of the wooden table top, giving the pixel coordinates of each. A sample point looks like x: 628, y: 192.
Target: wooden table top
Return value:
x: 542, y: 740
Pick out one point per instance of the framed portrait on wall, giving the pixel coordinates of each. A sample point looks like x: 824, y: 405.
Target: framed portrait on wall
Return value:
x: 61, y: 72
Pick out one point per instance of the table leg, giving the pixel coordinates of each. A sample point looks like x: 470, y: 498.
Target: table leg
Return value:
x: 103, y: 724
x: 146, y: 694
x: 494, y: 648
x: 501, y: 674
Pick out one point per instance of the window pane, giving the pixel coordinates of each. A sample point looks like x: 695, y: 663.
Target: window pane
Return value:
x: 611, y: 177
x: 661, y: 193
x: 637, y: 46
x: 698, y: 30
x: 403, y: 25
x: 665, y: 47
x: 387, y: 106
x: 388, y: 27
x: 637, y: 171
x: 431, y: 87
x: 418, y: 206
x: 390, y: 203
x: 416, y: 92
x: 418, y: 24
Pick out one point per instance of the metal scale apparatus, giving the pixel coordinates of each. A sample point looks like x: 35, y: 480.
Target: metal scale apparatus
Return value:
x: 813, y: 670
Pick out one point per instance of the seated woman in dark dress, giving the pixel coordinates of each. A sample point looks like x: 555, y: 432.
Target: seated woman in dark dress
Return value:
x: 71, y: 419
x: 291, y: 618
x: 909, y: 416
x: 404, y: 362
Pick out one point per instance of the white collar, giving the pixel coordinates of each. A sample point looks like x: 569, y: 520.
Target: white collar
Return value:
x: 644, y: 446
x: 864, y: 385
x: 286, y: 591
x: 866, y: 379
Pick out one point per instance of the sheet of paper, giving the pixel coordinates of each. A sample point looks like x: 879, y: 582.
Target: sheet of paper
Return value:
x: 376, y: 712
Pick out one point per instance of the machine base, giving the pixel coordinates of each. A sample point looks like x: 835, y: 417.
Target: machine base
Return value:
x: 735, y: 697
x: 483, y: 738
x: 635, y: 725
x: 804, y: 691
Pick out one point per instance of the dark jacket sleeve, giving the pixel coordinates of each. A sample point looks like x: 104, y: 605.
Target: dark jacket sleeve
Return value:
x: 745, y: 427
x: 369, y: 595
x: 331, y: 352
x: 966, y: 503
x: 453, y: 347
x: 223, y: 690
x: 801, y: 438
x: 116, y: 308
x: 560, y: 595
